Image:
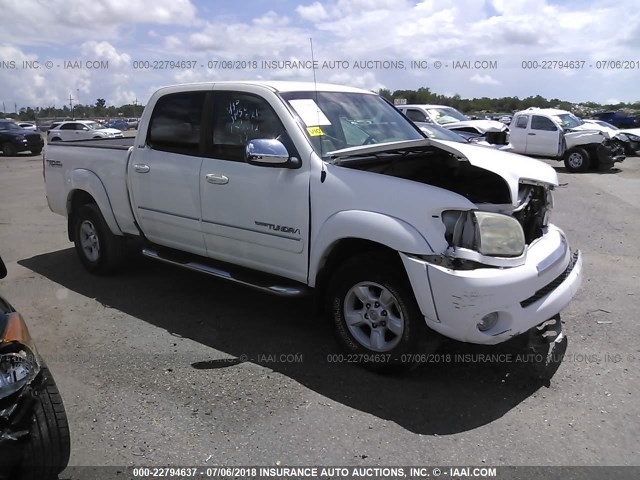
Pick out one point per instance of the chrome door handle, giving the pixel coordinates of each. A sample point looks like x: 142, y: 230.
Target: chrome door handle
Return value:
x: 141, y: 168
x: 217, y: 179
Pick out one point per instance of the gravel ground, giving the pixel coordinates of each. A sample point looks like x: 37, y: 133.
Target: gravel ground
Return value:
x: 159, y: 366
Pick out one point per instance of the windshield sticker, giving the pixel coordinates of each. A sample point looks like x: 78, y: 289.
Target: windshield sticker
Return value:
x: 315, y: 131
x: 309, y: 112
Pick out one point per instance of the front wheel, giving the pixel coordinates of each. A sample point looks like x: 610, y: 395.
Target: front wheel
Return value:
x: 9, y: 150
x: 46, y: 453
x: 36, y: 151
x: 100, y: 251
x: 577, y: 160
x: 374, y: 312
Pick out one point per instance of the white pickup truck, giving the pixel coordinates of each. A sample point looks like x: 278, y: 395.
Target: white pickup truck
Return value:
x: 558, y: 134
x: 289, y: 187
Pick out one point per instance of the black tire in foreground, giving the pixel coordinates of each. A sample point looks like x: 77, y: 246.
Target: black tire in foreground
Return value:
x: 375, y: 315
x: 577, y: 160
x: 46, y: 453
x: 100, y: 251
x: 36, y: 151
x: 9, y: 150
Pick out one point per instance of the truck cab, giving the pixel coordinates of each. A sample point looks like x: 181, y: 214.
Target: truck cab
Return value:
x: 558, y: 134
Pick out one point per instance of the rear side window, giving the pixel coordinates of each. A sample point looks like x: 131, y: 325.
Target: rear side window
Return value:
x: 175, y: 123
x: 542, y: 123
x: 522, y: 121
x: 68, y: 126
x: 239, y: 117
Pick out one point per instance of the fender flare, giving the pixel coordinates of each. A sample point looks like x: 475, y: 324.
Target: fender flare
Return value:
x: 85, y: 180
x: 360, y: 224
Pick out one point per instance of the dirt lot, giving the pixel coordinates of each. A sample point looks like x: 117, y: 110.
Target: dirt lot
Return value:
x: 161, y: 366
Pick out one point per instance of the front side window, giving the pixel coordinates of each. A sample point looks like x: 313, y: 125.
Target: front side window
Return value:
x: 542, y: 123
x: 239, y: 117
x: 416, y: 115
x: 175, y: 123
x: 522, y: 121
x: 71, y: 126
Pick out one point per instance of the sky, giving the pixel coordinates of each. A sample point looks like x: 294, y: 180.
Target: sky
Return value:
x: 123, y: 50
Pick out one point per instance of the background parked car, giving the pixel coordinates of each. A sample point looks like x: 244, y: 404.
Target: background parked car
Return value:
x: 632, y: 134
x: 118, y: 124
x: 15, y: 139
x: 27, y: 125
x: 80, y: 130
x: 34, y: 432
x: 133, y: 123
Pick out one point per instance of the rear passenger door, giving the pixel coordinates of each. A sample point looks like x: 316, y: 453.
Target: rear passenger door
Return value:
x: 253, y: 216
x: 164, y: 173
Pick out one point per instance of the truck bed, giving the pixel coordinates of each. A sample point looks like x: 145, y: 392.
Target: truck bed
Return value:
x: 98, y: 166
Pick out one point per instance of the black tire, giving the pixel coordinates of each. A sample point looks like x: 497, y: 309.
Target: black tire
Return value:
x: 46, y: 453
x: 36, y: 151
x: 9, y: 150
x: 577, y: 160
x: 377, y: 269
x: 108, y: 251
x: 55, y: 139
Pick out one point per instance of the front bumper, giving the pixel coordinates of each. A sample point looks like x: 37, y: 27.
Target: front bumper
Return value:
x: 454, y: 301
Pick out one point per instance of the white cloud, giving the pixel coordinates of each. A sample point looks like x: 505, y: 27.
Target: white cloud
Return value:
x: 313, y: 12
x: 104, y: 50
x: 484, y: 79
x: 59, y: 22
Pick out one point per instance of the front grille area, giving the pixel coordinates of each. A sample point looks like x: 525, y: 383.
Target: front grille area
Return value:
x: 33, y: 138
x: 550, y: 287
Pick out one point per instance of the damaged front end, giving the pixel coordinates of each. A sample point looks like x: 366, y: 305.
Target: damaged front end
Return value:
x: 34, y: 433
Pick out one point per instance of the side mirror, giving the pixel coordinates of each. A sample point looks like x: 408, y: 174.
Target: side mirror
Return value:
x: 3, y: 269
x: 265, y: 152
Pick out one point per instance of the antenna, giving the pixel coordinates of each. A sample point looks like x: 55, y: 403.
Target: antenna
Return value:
x: 323, y: 173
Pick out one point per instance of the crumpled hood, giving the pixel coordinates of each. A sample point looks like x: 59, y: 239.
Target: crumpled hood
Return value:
x: 483, y: 126
x: 510, y: 166
x: 587, y: 127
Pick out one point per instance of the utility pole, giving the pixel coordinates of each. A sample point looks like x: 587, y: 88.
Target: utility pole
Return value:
x: 71, y: 106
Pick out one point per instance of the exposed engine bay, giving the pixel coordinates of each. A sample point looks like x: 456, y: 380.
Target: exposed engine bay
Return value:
x: 488, y: 190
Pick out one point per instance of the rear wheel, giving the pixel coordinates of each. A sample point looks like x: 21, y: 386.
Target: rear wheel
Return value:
x: 9, y: 150
x: 576, y: 160
x: 47, y: 451
x: 100, y: 251
x: 374, y: 312
x: 36, y: 151
x: 55, y: 139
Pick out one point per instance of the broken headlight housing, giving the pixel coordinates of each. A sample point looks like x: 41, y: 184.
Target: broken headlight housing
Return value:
x: 484, y: 237
x: 18, y: 358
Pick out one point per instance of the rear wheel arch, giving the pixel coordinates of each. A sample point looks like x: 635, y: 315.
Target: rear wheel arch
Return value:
x: 75, y: 200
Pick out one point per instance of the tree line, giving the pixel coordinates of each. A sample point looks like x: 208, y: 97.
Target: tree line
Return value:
x: 97, y: 110
x: 421, y: 95
x: 505, y: 104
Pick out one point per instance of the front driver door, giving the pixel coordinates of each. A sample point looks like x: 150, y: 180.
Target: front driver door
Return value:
x: 253, y: 216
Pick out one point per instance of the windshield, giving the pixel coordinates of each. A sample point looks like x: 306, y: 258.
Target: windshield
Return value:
x: 93, y: 125
x: 444, y: 115
x: 9, y: 126
x: 337, y: 120
x: 568, y: 120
